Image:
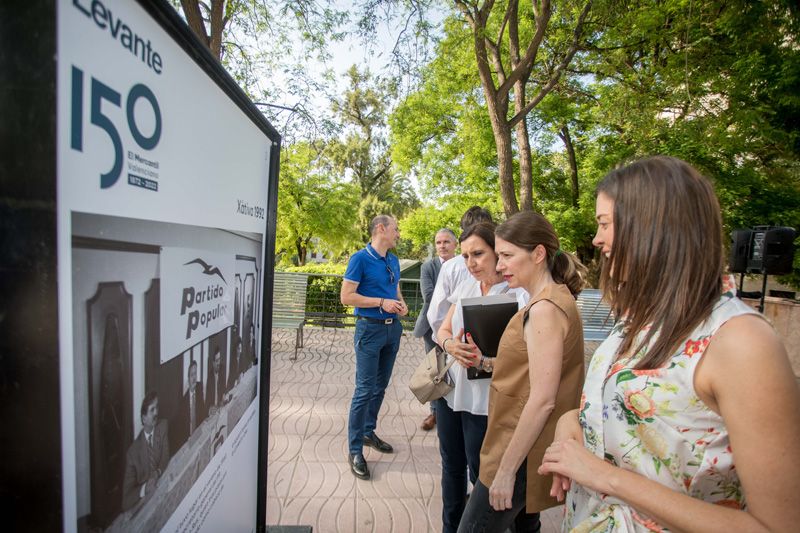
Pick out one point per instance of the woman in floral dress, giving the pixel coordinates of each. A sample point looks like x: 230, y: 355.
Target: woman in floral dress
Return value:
x: 690, y: 413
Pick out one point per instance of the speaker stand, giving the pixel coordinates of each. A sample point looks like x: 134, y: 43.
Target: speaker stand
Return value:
x: 763, y: 294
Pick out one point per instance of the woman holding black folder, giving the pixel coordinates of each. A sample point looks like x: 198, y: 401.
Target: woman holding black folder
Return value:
x: 538, y: 374
x: 461, y: 414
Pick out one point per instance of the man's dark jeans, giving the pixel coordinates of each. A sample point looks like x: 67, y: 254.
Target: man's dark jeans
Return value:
x: 376, y: 347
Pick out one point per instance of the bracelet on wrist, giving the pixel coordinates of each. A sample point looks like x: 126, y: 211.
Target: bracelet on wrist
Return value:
x: 381, y: 304
x: 444, y: 344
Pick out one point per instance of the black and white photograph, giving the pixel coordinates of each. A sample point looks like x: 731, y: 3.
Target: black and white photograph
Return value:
x: 158, y: 398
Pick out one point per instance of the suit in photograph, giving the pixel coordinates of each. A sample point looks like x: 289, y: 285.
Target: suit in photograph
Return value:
x: 215, y: 387
x: 185, y: 429
x: 143, y: 462
x: 233, y: 373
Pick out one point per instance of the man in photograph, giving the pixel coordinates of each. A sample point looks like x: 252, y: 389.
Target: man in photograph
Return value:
x: 192, y: 412
x: 237, y: 364
x: 147, y: 456
x: 253, y: 358
x: 372, y: 285
x: 445, y: 241
x: 215, y: 382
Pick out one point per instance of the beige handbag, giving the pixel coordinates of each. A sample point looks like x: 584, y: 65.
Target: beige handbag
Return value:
x: 429, y: 381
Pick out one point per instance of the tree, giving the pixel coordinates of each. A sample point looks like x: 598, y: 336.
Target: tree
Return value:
x: 217, y: 22
x: 418, y: 228
x: 362, y: 152
x: 259, y: 41
x: 441, y: 133
x: 313, y: 206
x: 717, y: 85
x: 506, y: 64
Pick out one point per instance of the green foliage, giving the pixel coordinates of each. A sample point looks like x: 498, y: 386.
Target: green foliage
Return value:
x: 318, y: 268
x: 245, y: 34
x: 441, y: 132
x: 362, y: 151
x: 322, y: 294
x: 715, y: 82
x: 717, y: 85
x: 419, y: 227
x: 314, y: 208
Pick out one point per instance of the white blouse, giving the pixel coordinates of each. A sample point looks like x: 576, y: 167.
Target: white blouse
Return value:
x: 472, y: 395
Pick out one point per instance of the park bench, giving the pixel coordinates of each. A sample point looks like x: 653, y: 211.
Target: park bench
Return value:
x: 289, y: 304
x: 595, y: 314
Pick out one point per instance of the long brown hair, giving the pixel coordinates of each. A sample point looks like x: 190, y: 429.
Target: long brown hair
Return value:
x: 528, y: 230
x: 665, y: 267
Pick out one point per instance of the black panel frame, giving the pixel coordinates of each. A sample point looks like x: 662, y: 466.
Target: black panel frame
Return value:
x: 30, y: 396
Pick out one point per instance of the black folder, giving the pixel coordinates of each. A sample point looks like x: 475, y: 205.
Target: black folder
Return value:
x: 486, y: 318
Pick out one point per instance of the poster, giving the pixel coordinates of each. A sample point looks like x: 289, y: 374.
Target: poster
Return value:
x: 196, y: 287
x: 162, y: 186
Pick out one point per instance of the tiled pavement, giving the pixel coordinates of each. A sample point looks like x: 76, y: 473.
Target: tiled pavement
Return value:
x: 309, y: 480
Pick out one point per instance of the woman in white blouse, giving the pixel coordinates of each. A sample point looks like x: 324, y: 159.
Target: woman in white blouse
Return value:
x: 461, y: 415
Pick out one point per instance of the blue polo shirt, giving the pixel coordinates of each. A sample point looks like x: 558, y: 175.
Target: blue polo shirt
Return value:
x: 371, y: 272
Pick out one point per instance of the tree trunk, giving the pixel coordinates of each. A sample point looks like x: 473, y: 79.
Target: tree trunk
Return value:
x: 573, y: 163
x: 524, y: 149
x: 302, y: 251
x: 497, y: 106
x: 217, y: 24
x: 498, y: 109
x: 505, y: 167
x: 194, y: 18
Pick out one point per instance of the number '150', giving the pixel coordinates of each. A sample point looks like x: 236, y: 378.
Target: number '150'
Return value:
x: 100, y: 92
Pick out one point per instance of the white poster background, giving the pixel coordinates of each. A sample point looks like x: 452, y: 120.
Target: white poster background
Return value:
x: 210, y: 164
x: 196, y: 300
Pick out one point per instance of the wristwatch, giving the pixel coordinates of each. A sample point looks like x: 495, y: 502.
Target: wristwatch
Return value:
x: 487, y: 363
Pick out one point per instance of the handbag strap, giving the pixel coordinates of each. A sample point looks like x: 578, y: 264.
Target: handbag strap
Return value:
x: 441, y: 374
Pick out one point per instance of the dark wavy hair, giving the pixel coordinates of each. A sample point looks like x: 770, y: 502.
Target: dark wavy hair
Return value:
x: 473, y: 215
x: 665, y: 268
x: 528, y: 230
x: 484, y: 230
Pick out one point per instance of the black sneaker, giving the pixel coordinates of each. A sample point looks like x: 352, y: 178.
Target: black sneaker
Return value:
x: 358, y: 465
x: 373, y: 441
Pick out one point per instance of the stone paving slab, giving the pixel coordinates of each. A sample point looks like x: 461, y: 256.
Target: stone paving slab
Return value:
x: 308, y: 478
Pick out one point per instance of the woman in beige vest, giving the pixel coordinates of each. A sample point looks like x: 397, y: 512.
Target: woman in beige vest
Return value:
x: 537, y: 377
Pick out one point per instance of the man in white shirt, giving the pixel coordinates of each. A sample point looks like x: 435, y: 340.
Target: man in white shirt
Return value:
x: 452, y: 273
x: 446, y: 242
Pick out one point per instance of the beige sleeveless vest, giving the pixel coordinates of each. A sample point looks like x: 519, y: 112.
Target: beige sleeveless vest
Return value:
x: 510, y: 389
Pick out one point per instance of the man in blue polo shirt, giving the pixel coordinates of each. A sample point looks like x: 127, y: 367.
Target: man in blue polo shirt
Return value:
x: 372, y: 285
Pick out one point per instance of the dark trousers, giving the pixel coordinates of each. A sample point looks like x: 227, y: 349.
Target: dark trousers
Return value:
x: 376, y: 349
x: 460, y: 439
x: 479, y: 517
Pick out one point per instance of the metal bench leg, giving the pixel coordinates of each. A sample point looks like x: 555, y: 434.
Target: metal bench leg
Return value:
x: 301, y: 333
x: 296, y: 344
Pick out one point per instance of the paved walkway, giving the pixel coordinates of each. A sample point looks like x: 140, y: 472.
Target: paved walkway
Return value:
x: 309, y: 479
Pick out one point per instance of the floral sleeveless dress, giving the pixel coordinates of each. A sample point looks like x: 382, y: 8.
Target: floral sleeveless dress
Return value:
x: 653, y: 423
